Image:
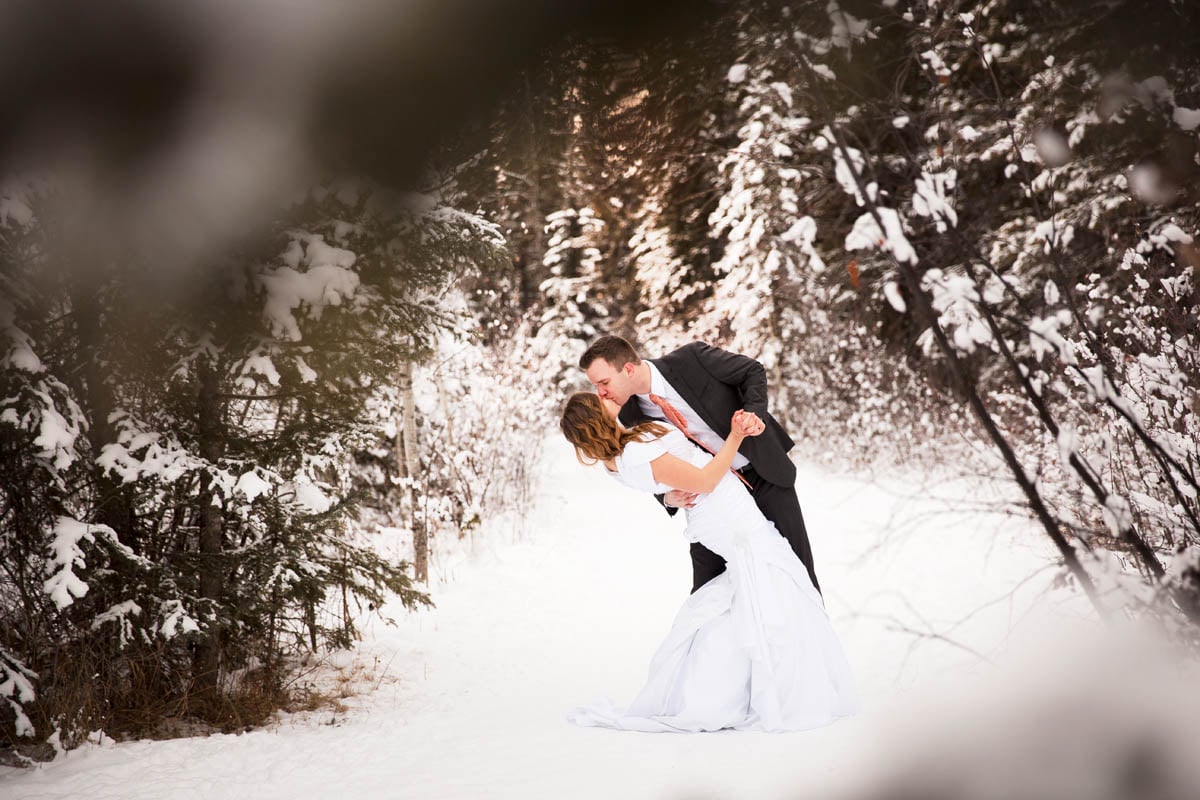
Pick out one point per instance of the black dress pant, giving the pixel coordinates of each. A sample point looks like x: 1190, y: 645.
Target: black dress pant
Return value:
x: 778, y: 504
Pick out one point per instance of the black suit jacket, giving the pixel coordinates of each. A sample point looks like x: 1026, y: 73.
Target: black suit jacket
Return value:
x: 716, y: 383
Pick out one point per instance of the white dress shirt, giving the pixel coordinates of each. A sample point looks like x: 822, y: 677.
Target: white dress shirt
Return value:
x: 697, y: 427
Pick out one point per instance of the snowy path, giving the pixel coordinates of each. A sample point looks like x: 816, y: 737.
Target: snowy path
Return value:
x: 472, y: 695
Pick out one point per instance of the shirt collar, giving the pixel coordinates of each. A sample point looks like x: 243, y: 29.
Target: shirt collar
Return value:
x: 658, y: 384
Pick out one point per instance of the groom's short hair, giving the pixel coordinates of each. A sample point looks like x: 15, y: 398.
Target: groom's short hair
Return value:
x: 613, y: 349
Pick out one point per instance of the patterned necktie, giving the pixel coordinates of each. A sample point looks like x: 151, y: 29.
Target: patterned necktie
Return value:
x: 675, y: 418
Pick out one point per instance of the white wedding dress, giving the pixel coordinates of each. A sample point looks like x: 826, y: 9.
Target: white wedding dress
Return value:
x: 753, y: 648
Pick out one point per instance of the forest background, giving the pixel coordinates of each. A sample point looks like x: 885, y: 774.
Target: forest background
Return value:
x: 959, y: 236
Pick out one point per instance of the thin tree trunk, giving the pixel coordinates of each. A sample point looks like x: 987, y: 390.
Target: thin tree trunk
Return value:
x: 782, y: 401
x: 407, y: 463
x: 114, y: 507
x: 925, y: 314
x: 535, y: 215
x: 211, y: 523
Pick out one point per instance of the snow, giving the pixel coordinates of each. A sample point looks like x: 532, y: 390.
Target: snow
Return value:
x: 784, y: 91
x: 1053, y: 234
x: 956, y: 300
x: 469, y: 699
x: 16, y: 687
x: 866, y: 235
x: 328, y: 280
x: 803, y: 233
x: 116, y: 613
x: 1050, y: 291
x: 252, y: 486
x: 737, y: 73
x: 1068, y: 443
x: 64, y: 585
x: 824, y: 71
x: 1168, y: 234
x: 176, y: 620
x: 307, y: 373
x: 21, y: 356
x: 935, y: 63
x: 56, y: 435
x: 849, y: 168
x: 1187, y: 118
x: 120, y: 614
x: 311, y: 497
x: 161, y: 456
x: 1044, y: 336
x: 262, y: 365
x: 1153, y: 90
x: 14, y: 206
x: 1118, y: 516
x: 845, y: 28
x: 930, y: 199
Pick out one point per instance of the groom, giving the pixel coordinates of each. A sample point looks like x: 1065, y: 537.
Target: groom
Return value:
x: 697, y: 388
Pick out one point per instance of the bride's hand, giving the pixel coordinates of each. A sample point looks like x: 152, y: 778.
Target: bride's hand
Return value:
x: 743, y: 424
x: 677, y: 498
x: 748, y: 422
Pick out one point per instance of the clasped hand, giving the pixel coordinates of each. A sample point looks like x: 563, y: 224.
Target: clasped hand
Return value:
x: 747, y: 423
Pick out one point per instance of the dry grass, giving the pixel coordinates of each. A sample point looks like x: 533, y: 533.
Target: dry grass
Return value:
x: 150, y: 693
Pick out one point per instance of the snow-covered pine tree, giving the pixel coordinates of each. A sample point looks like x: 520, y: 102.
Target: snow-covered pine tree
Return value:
x: 236, y: 406
x: 1021, y: 226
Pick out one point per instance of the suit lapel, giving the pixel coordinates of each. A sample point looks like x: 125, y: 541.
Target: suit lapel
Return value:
x: 690, y: 385
x: 631, y: 413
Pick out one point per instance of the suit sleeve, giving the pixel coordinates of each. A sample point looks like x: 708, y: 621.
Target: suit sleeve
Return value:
x: 742, y: 372
x: 662, y: 501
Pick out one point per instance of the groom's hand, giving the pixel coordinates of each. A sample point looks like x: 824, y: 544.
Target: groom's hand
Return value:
x: 751, y: 422
x: 680, y: 499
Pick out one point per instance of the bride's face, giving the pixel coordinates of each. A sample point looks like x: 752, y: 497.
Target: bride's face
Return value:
x: 611, y: 409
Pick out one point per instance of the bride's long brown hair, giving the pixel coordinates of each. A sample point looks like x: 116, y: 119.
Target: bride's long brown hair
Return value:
x: 595, y: 435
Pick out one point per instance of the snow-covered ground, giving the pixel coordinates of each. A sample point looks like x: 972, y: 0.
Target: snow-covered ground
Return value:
x: 469, y: 699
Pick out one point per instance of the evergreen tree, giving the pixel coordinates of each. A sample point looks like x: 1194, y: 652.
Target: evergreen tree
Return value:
x: 208, y: 527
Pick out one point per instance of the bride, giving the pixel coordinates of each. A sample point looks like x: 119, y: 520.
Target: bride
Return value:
x: 753, y: 648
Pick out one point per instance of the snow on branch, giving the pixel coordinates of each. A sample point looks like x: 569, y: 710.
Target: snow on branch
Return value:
x: 956, y: 300
x: 930, y: 199
x: 16, y: 687
x: 846, y: 28
x: 63, y: 585
x: 326, y: 281
x: 866, y: 235
x: 18, y: 354
x: 120, y: 614
x: 849, y: 167
x: 140, y: 454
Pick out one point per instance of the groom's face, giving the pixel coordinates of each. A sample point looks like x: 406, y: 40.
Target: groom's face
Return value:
x: 611, y: 383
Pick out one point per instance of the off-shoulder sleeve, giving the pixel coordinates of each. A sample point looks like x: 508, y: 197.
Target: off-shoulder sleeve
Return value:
x: 634, y: 464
